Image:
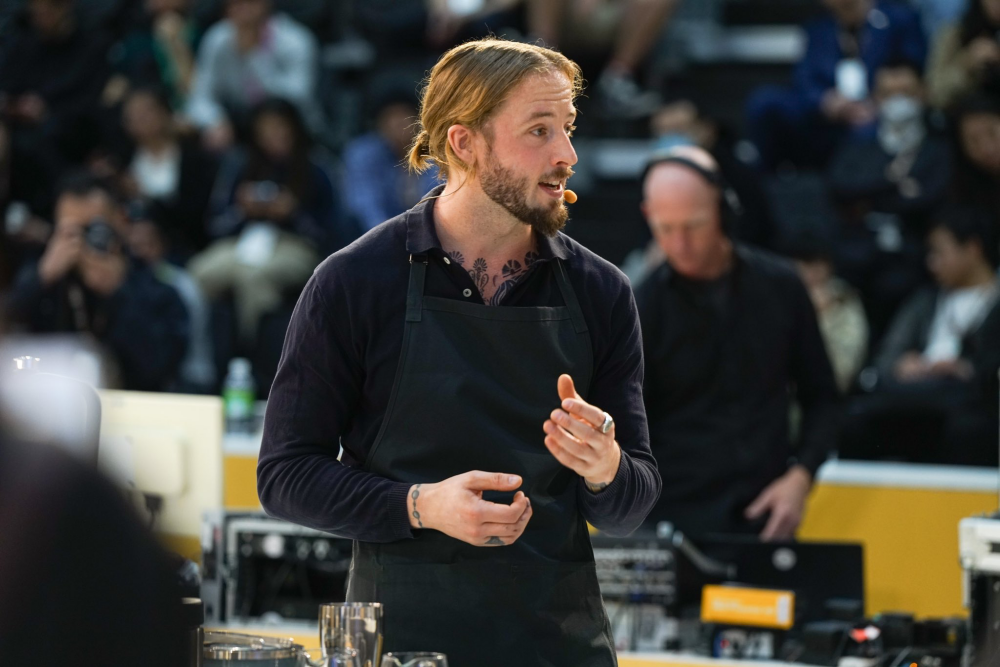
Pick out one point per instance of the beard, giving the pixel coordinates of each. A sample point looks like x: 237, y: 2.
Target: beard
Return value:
x: 502, y: 186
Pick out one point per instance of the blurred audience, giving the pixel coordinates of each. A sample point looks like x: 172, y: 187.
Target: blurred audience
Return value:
x: 627, y: 29
x: 85, y: 283
x: 51, y: 76
x: 830, y: 102
x: 928, y: 402
x: 162, y: 168
x: 147, y: 242
x: 417, y: 31
x: 376, y: 183
x: 158, y: 51
x: 966, y: 55
x: 841, y: 315
x: 937, y: 15
x: 253, y: 54
x: 885, y: 186
x: 977, y: 163
x: 730, y: 338
x: 21, y: 195
x: 275, y: 213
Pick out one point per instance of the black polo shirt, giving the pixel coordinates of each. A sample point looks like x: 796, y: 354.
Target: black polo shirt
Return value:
x: 339, y: 364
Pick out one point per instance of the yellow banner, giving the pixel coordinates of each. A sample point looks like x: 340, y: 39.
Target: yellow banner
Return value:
x: 758, y: 607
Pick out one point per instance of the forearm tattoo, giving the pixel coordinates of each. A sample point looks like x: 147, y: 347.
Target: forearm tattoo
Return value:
x: 494, y: 542
x: 596, y: 488
x: 416, y: 514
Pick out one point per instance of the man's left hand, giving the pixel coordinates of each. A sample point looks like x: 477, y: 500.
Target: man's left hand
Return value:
x: 785, y: 500
x: 574, y: 438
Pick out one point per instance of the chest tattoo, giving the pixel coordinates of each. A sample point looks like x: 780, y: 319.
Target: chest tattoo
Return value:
x: 494, y: 285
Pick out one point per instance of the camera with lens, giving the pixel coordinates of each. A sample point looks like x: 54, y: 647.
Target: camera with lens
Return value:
x: 100, y: 236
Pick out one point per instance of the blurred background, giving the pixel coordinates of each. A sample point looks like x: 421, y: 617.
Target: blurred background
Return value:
x: 172, y: 171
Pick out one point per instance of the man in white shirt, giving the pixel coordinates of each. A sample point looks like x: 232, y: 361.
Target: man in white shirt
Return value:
x: 932, y: 365
x: 250, y: 55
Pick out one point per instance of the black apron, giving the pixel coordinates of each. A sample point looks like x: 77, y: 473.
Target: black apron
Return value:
x: 474, y: 385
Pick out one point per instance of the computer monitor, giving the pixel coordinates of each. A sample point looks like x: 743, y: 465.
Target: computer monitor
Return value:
x: 167, y: 446
x: 817, y: 572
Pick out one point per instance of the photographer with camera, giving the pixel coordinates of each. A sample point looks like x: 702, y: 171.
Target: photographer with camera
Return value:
x: 85, y: 283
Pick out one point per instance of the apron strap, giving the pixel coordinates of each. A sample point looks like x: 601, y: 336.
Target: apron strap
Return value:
x: 415, y: 291
x: 569, y: 296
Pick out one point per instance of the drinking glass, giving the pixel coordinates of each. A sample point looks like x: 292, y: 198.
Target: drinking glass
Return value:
x: 410, y: 659
x: 341, y: 657
x: 354, y: 625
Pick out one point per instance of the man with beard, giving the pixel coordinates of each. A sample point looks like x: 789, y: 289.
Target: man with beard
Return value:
x: 469, y: 359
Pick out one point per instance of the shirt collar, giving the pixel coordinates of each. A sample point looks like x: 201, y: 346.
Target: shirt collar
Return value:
x: 422, y: 238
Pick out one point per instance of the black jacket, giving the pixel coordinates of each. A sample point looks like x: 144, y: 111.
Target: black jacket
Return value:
x: 144, y: 324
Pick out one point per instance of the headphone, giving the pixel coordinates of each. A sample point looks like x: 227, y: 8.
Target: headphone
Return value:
x: 730, y: 207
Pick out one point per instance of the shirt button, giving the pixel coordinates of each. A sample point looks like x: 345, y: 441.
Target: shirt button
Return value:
x: 447, y: 261
x: 467, y: 292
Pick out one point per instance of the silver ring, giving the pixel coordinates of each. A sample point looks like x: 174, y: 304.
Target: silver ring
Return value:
x: 608, y: 423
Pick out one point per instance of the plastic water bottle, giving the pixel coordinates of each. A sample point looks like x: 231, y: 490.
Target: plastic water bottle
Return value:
x: 238, y: 393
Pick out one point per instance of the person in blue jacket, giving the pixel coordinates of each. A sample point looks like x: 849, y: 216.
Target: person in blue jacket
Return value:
x: 829, y: 100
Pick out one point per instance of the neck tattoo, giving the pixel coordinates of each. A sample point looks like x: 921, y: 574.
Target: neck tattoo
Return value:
x: 495, y: 285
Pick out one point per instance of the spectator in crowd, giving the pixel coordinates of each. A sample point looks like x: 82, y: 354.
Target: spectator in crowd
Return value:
x: 24, y: 233
x: 157, y: 51
x: 376, y: 184
x: 977, y: 164
x: 966, y: 55
x: 937, y: 15
x: 85, y: 284
x: 274, y: 212
x: 730, y: 336
x: 884, y: 187
x: 830, y: 100
x: 51, y: 75
x: 928, y: 402
x: 148, y: 244
x: 681, y: 123
x: 249, y: 56
x: 628, y: 29
x: 177, y: 175
x: 404, y: 31
x: 841, y: 315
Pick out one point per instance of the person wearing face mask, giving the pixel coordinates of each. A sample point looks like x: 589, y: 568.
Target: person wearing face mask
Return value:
x: 884, y: 188
x: 830, y: 101
x: 931, y: 395
x: 966, y: 55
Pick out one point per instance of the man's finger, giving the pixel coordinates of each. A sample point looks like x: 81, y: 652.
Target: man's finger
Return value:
x: 478, y: 480
x: 758, y: 506
x: 770, y: 529
x: 500, y: 513
x: 509, y: 529
x: 568, y: 442
x: 579, y: 408
x: 776, y: 528
x: 564, y: 457
x: 566, y: 387
x: 581, y: 430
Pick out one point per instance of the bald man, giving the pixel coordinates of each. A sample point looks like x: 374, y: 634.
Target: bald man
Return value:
x: 730, y: 340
